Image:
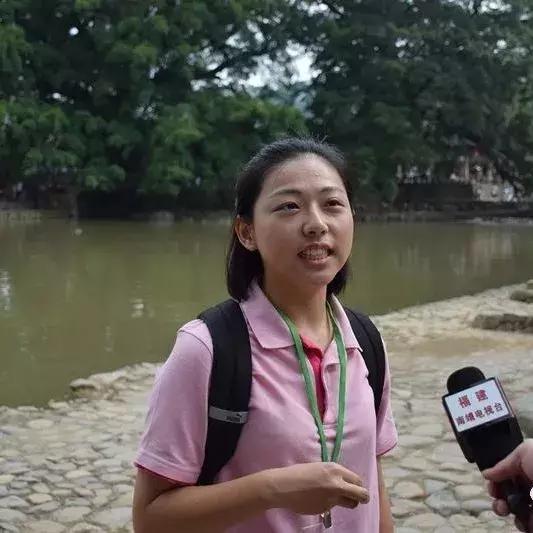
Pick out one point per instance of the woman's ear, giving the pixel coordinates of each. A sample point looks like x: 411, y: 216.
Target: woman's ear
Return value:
x: 245, y: 233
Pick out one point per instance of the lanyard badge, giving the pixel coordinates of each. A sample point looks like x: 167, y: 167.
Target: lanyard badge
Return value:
x: 311, y: 394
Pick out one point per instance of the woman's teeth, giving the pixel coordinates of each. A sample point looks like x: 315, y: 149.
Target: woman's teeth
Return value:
x: 314, y: 254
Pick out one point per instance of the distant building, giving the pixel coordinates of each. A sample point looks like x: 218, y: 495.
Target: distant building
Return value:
x: 475, y: 172
x: 487, y: 184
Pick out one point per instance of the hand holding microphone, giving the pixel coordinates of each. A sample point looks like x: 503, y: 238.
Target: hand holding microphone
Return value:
x: 519, y: 465
x: 487, y: 432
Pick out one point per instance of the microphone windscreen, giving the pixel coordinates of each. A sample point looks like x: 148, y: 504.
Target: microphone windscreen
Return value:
x: 463, y: 378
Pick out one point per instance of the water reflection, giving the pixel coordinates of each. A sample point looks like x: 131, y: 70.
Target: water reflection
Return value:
x: 72, y: 304
x: 5, y: 291
x: 137, y: 306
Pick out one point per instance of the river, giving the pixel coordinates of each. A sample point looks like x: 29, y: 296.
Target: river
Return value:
x: 80, y: 298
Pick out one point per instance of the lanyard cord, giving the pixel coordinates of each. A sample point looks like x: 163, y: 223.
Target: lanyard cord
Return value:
x: 310, y: 391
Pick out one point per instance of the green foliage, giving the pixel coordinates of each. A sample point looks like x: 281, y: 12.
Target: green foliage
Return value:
x: 200, y: 139
x: 419, y: 83
x: 40, y: 140
x: 147, y: 96
x: 140, y: 95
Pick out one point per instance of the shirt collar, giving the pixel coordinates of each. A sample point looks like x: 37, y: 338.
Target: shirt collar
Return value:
x: 271, y: 331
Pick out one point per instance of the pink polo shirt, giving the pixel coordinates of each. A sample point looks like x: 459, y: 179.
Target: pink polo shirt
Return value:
x: 280, y: 430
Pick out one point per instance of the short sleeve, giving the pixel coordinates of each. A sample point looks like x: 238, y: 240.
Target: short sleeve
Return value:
x: 386, y: 434
x: 173, y: 441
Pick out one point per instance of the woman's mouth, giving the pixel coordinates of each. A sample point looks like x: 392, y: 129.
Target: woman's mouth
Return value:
x: 315, y: 253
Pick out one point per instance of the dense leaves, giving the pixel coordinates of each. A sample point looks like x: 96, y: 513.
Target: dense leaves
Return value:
x: 420, y: 82
x: 99, y: 94
x: 151, y: 97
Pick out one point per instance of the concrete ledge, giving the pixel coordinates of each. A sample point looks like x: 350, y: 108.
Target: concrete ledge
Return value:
x: 505, y: 322
x: 20, y: 215
x: 521, y: 295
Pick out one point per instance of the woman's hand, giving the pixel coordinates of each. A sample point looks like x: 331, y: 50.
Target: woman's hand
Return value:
x: 314, y: 488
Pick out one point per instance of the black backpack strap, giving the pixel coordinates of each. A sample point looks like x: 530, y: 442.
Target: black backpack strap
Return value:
x: 373, y: 351
x: 229, y: 388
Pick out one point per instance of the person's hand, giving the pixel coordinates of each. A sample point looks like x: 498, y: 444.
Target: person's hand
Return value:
x: 314, y: 488
x: 519, y: 465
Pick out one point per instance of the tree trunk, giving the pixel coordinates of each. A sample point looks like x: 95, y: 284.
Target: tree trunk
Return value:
x: 72, y: 201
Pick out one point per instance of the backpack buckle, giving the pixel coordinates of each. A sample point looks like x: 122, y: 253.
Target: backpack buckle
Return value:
x: 234, y: 417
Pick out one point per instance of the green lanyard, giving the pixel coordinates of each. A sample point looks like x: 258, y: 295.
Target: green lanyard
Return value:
x: 309, y: 389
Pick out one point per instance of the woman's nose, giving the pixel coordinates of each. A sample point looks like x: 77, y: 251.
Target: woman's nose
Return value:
x: 315, y: 224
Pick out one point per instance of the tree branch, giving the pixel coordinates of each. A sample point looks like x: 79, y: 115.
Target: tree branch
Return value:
x: 231, y: 61
x: 332, y: 8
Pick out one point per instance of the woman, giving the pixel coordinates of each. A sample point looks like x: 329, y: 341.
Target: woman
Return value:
x: 292, y: 237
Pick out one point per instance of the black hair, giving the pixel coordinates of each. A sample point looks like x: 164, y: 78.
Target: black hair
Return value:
x: 242, y: 265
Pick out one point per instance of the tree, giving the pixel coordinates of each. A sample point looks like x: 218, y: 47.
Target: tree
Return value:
x: 419, y: 82
x: 210, y: 137
x: 151, y: 96
x: 135, y: 95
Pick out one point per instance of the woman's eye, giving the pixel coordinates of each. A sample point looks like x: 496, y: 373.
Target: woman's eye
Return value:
x: 290, y: 206
x: 334, y: 203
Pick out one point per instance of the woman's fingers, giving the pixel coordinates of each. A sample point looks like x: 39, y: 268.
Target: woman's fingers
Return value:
x: 348, y: 503
x: 354, y: 493
x: 349, y: 476
x: 349, y: 487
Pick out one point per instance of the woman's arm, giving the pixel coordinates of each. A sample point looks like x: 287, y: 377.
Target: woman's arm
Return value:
x: 159, y: 505
x: 386, y: 524
x: 312, y: 488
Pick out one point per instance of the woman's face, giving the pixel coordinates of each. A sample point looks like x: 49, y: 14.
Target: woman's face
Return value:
x: 302, y: 224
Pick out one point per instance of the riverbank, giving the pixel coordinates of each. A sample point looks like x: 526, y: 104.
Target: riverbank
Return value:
x: 20, y: 216
x: 68, y: 468
x: 478, y: 212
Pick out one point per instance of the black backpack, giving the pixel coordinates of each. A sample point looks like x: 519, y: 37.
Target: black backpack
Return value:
x: 231, y: 378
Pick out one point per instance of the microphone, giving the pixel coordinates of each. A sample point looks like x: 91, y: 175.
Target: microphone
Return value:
x: 486, y: 428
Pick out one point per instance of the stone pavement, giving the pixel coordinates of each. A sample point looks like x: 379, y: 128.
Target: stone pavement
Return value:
x: 67, y: 468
